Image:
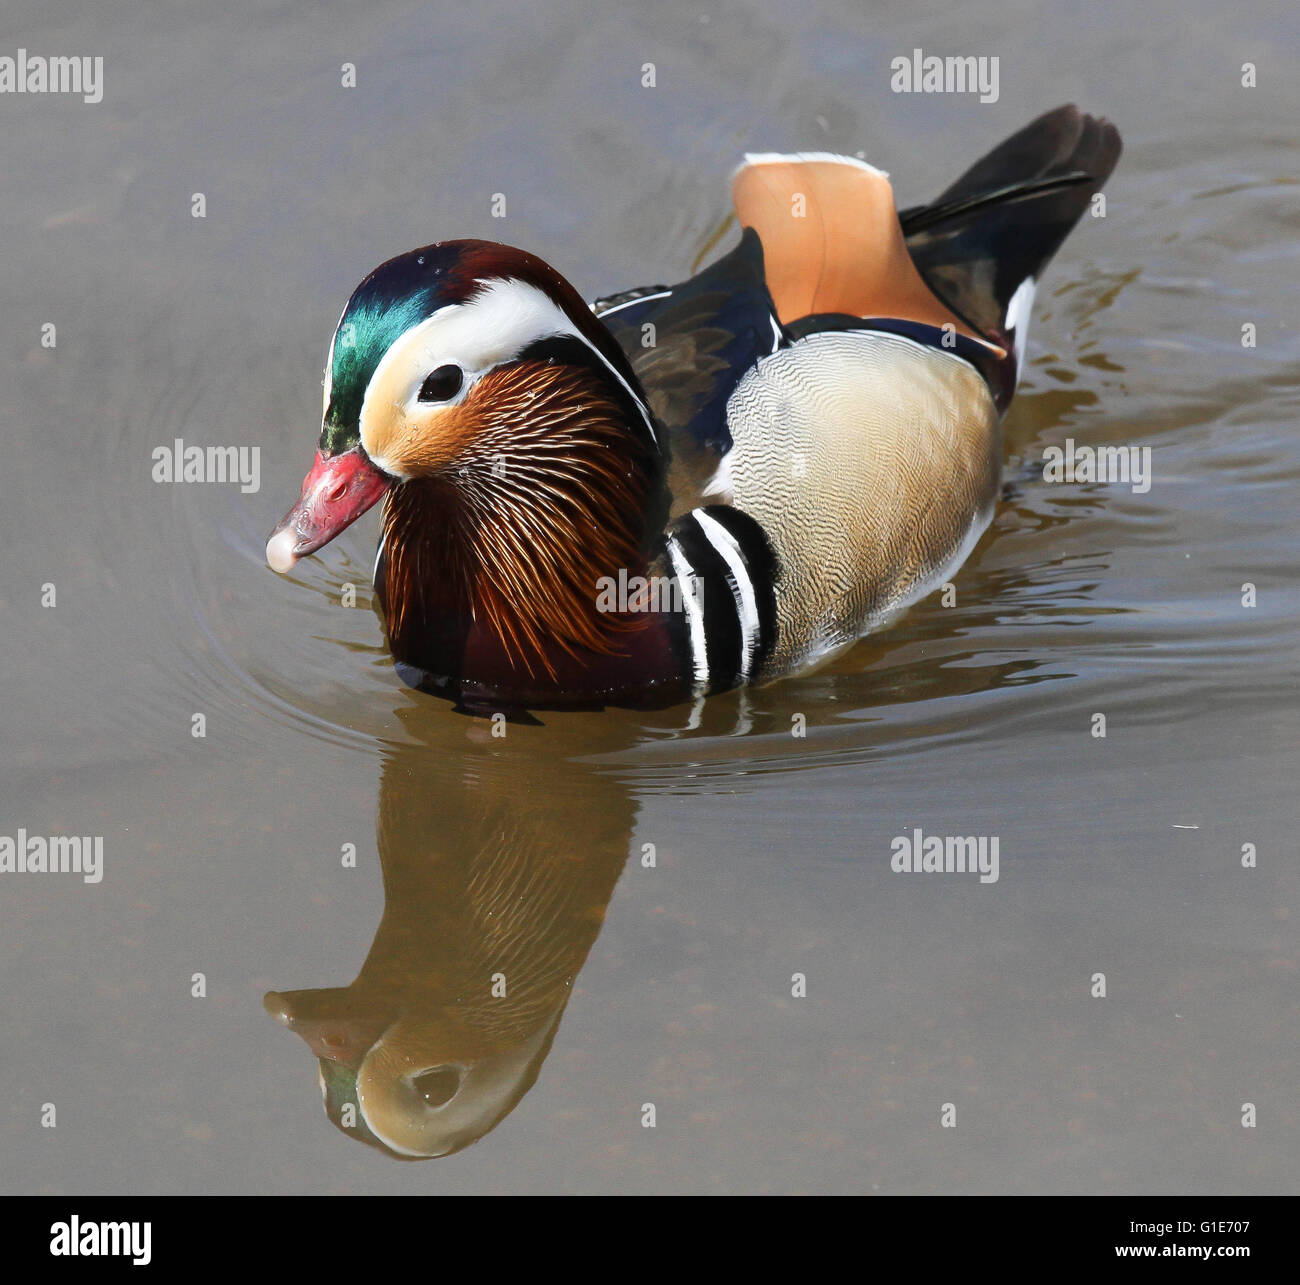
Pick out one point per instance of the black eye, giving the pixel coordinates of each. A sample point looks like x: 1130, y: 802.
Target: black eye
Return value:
x: 438, y: 1086
x: 442, y: 385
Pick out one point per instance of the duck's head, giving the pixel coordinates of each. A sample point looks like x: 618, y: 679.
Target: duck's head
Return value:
x: 470, y: 386
x: 418, y: 1085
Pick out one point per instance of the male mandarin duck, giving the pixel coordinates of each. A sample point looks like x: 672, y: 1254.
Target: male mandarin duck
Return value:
x: 680, y: 490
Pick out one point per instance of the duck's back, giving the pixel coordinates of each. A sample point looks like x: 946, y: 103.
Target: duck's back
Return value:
x: 869, y: 459
x: 840, y: 377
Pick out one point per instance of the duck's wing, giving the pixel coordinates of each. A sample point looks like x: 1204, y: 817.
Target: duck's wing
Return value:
x: 690, y: 344
x: 959, y: 272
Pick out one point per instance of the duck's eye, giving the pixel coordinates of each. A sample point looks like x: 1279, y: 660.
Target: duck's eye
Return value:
x: 442, y: 385
x: 438, y: 1086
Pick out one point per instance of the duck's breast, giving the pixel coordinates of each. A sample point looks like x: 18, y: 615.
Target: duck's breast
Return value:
x: 873, y: 463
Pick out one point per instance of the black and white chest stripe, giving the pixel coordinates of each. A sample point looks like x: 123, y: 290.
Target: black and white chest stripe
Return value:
x: 727, y: 572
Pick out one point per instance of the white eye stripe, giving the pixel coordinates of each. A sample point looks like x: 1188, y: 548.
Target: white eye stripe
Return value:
x: 494, y: 327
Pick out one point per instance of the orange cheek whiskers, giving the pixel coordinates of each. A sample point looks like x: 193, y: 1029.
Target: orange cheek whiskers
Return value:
x: 537, y: 490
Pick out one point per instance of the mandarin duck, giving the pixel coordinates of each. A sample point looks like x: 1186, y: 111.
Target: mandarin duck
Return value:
x: 679, y: 490
x: 488, y: 921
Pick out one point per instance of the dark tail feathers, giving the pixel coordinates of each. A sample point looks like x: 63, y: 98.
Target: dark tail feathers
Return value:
x: 998, y: 225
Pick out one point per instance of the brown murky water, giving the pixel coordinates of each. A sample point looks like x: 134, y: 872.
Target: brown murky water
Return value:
x: 667, y: 983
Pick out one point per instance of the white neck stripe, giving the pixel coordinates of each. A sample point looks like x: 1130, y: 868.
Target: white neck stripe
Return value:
x: 741, y: 585
x: 694, y: 612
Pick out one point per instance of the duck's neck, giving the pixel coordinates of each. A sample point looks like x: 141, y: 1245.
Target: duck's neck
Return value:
x: 495, y: 577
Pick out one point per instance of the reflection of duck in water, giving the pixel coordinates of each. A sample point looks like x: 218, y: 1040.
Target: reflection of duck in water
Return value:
x: 701, y: 486
x: 495, y: 888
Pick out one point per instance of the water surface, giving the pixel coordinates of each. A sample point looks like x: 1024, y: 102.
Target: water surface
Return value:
x: 667, y: 983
